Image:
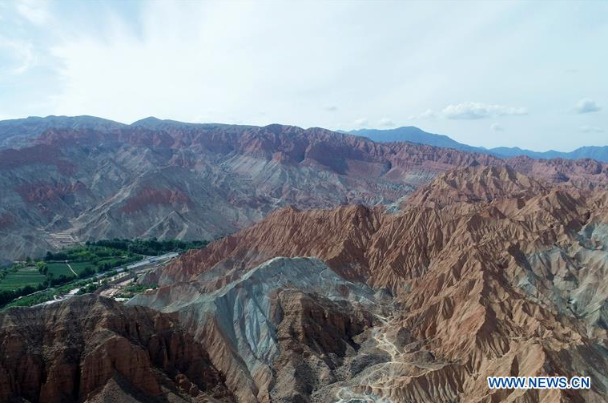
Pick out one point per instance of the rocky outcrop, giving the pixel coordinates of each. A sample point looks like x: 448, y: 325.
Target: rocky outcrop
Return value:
x: 340, y: 237
x: 267, y: 326
x: 94, y: 349
x: 476, y: 184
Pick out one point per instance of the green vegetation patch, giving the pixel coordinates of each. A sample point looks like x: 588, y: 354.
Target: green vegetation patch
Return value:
x: 33, y: 299
x: 21, y: 277
x: 80, y: 267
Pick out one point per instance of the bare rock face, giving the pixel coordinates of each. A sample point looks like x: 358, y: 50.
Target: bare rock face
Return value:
x: 476, y: 184
x: 316, y: 337
x: 94, y: 349
x: 338, y: 236
x: 483, y: 272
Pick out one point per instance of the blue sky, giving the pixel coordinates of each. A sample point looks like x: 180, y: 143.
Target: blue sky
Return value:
x: 493, y: 73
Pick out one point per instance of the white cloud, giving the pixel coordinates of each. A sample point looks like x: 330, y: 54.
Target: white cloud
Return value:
x: 187, y: 56
x: 496, y: 127
x: 386, y: 122
x: 591, y: 129
x: 226, y: 61
x: 586, y: 105
x: 361, y: 122
x: 473, y: 111
x: 428, y: 114
x: 20, y: 56
x: 35, y: 11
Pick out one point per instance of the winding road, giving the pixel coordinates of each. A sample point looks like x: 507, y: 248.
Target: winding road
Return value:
x: 121, y: 269
x: 376, y: 383
x: 71, y: 269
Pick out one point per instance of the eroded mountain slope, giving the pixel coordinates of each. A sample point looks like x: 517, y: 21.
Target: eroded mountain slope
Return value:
x: 281, y: 328
x: 193, y: 182
x: 492, y: 273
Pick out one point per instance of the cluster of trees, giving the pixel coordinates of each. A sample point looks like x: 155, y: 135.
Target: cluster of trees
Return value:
x: 88, y: 289
x: 42, y: 268
x: 8, y: 296
x: 89, y: 253
x: 103, y: 267
x: 149, y: 247
x: 59, y: 256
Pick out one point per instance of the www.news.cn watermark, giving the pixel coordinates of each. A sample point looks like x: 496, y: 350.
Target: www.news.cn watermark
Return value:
x: 540, y: 383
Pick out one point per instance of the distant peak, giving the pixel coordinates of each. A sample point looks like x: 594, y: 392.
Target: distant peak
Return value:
x: 148, y: 120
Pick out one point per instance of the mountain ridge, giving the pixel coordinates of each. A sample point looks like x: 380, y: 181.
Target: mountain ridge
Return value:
x: 352, y: 270
x: 193, y: 182
x: 17, y: 132
x: 417, y: 135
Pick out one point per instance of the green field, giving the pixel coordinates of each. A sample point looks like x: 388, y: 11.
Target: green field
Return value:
x: 57, y: 269
x: 109, y: 260
x: 60, y: 268
x: 21, y: 278
x: 27, y: 279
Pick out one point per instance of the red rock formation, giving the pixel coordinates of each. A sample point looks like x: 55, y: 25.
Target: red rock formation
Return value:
x: 583, y: 173
x: 493, y: 274
x: 72, y: 350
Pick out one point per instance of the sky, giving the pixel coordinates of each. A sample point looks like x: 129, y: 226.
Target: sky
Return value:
x: 489, y: 73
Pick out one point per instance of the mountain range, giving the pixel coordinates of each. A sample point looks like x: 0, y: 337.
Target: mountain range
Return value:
x: 68, y: 180
x: 171, y: 180
x: 416, y: 135
x: 483, y: 271
x: 17, y: 133
x: 341, y: 269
